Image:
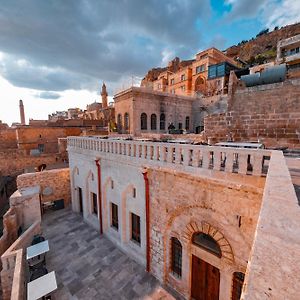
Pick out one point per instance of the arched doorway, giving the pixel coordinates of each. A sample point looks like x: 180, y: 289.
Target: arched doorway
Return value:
x: 200, y: 85
x: 205, y: 277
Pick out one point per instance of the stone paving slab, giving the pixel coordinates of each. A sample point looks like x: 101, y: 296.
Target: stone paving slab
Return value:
x: 89, y: 266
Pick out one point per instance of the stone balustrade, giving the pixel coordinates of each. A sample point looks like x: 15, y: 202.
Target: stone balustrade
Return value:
x: 232, y: 160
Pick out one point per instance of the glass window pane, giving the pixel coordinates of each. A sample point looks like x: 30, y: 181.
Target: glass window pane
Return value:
x: 207, y: 242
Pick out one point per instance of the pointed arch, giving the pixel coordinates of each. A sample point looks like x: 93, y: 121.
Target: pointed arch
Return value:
x: 74, y: 172
x: 90, y: 176
x: 107, y: 183
x: 129, y: 189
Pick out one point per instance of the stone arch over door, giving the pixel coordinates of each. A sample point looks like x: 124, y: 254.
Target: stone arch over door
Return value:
x: 126, y: 191
x: 204, y: 227
x: 106, y: 185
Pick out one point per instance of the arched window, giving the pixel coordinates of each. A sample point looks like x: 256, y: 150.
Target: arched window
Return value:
x: 153, y: 122
x: 187, y: 123
x: 176, y: 252
x: 237, y: 285
x: 162, y: 123
x: 206, y: 242
x: 143, y: 121
x: 119, y: 123
x: 126, y: 121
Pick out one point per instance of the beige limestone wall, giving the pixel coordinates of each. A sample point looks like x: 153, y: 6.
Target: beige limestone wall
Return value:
x: 118, y: 180
x: 26, y: 202
x: 136, y: 101
x: 57, y: 180
x: 25, y: 212
x: 228, y: 210
x: 13, y: 263
x: 10, y: 230
x: 274, y: 264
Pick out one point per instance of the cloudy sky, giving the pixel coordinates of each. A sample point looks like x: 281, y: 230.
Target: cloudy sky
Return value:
x: 55, y: 54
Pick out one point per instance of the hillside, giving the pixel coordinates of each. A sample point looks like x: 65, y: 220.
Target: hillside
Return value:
x: 258, y: 50
x: 263, y: 47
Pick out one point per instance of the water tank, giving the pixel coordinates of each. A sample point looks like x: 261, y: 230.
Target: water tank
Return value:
x: 274, y: 74
x: 251, y: 80
x: 270, y: 75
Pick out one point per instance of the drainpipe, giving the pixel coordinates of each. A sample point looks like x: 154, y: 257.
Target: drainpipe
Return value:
x: 147, y: 206
x: 99, y: 194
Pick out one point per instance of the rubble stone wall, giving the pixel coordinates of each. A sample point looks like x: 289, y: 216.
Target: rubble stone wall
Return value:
x: 30, y: 137
x: 15, y: 161
x: 270, y: 113
x: 57, y: 180
x: 8, y: 139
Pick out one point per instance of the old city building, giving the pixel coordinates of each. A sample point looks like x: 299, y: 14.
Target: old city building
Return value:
x: 123, y: 189
x: 140, y: 111
x: 206, y: 75
x: 99, y: 114
x: 209, y: 222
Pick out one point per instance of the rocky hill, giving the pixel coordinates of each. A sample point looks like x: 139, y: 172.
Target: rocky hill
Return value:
x: 263, y: 47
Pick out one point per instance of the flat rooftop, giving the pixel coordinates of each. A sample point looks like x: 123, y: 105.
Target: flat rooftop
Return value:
x: 89, y: 266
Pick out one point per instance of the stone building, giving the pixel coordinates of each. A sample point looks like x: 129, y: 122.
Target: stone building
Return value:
x: 288, y: 51
x: 203, y: 229
x: 194, y: 77
x: 140, y: 111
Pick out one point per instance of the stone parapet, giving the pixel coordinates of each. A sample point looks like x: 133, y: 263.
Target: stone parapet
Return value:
x: 13, y: 280
x: 191, y: 158
x: 273, y: 268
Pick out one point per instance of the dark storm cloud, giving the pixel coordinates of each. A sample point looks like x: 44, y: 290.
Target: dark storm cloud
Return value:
x: 48, y: 95
x: 75, y: 44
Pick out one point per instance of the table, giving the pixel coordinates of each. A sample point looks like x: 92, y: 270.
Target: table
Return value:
x: 37, y: 249
x: 42, y: 286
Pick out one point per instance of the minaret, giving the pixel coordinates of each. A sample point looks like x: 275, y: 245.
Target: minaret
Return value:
x: 22, y: 113
x: 104, y: 95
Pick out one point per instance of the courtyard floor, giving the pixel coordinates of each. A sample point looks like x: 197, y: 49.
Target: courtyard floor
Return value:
x: 89, y: 266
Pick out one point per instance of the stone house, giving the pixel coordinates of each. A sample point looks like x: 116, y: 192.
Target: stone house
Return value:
x: 191, y: 77
x: 207, y: 221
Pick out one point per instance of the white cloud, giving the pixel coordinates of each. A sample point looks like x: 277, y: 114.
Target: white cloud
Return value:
x: 167, y: 55
x: 283, y: 13
x: 270, y: 12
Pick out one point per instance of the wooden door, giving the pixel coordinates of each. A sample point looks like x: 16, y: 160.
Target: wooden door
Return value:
x: 205, y: 280
x: 80, y: 200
